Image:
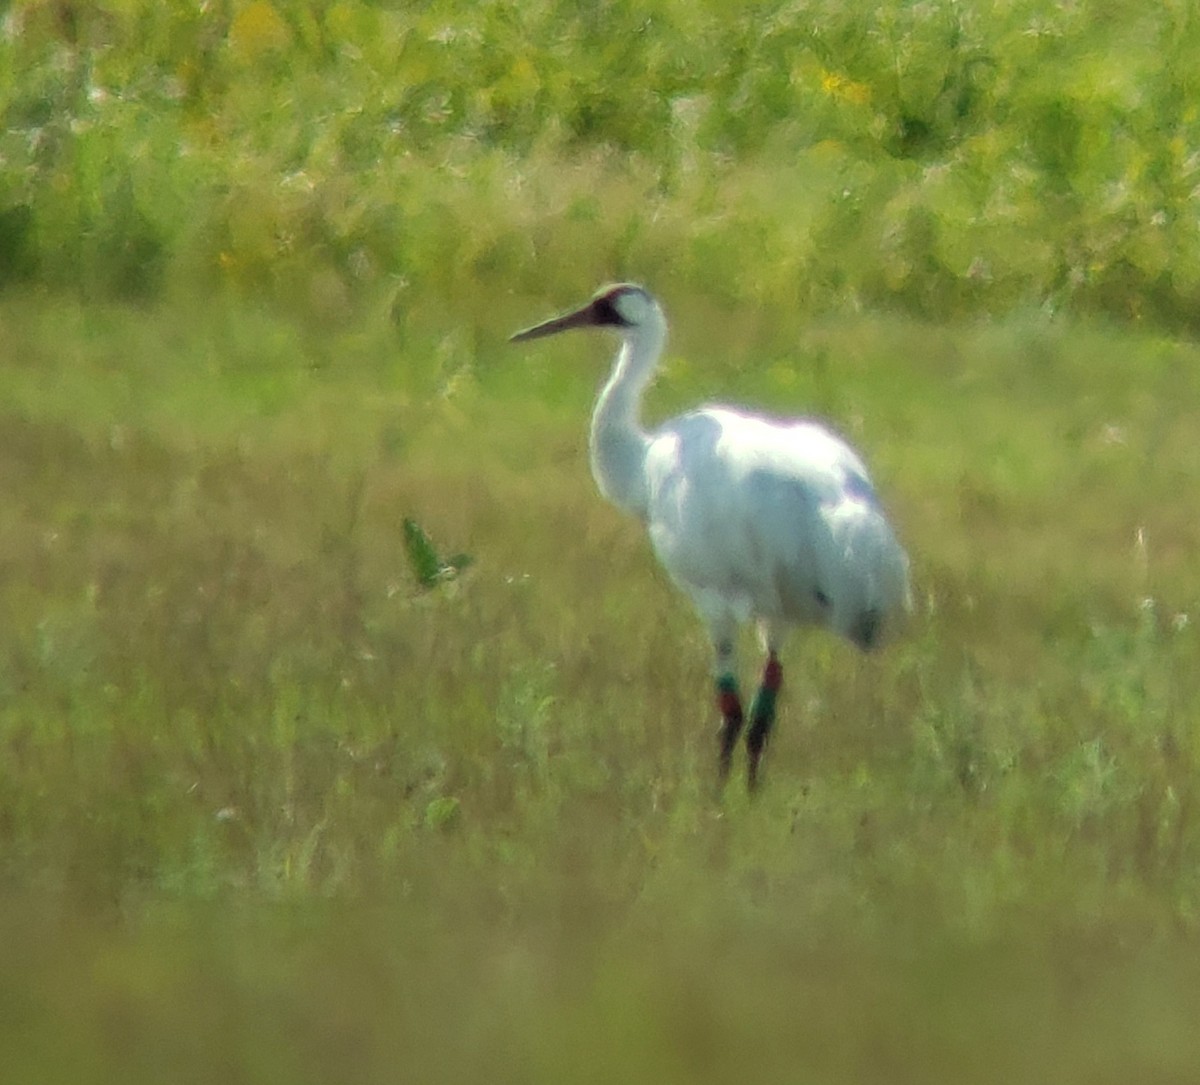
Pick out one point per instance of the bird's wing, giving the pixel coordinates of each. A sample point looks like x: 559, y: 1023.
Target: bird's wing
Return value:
x: 738, y: 505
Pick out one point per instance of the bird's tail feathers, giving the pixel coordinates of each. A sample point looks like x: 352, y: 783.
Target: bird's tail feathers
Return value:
x: 875, y: 593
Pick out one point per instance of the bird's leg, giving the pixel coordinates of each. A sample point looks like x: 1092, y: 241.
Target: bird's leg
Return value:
x: 762, y: 715
x: 730, y: 704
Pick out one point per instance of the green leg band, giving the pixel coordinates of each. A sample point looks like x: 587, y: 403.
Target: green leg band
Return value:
x: 762, y: 708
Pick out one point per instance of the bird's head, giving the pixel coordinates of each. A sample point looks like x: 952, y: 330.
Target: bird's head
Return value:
x: 624, y: 307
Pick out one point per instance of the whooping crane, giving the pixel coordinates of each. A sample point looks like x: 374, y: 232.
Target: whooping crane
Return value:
x: 756, y: 519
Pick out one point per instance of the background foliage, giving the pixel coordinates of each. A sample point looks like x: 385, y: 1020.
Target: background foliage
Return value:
x: 346, y: 734
x: 938, y: 158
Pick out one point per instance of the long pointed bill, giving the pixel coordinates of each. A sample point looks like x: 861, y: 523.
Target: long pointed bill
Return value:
x: 581, y: 318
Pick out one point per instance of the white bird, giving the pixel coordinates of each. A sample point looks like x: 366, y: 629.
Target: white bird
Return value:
x: 756, y: 519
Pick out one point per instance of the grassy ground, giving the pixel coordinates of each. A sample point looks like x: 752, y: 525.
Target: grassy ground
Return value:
x: 272, y: 810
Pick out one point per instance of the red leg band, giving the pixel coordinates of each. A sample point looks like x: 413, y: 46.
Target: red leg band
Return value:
x: 772, y: 677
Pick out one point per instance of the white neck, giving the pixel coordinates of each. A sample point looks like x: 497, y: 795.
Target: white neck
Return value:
x: 618, y: 442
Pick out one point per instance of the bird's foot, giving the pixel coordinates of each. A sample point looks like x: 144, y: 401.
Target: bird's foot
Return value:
x: 753, y: 777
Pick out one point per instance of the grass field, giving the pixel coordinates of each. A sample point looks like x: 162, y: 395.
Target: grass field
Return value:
x: 273, y: 810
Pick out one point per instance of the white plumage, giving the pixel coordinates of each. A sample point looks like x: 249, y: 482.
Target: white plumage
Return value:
x: 774, y: 522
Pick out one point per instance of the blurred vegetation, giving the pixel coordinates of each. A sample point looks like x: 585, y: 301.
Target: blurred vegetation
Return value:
x: 280, y: 803
x: 938, y: 158
x: 346, y: 734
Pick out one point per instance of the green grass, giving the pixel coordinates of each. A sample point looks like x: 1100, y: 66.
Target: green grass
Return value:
x: 281, y: 800
x: 271, y: 809
x: 347, y: 158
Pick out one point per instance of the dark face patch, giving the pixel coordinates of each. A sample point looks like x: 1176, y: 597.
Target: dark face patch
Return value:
x: 605, y: 310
